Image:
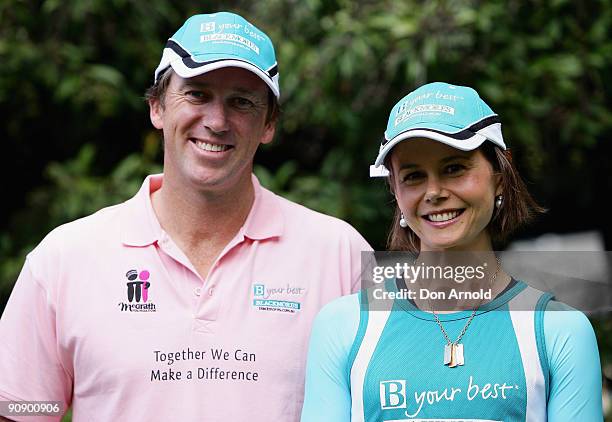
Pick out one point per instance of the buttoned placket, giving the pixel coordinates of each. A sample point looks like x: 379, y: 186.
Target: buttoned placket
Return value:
x: 201, y: 298
x: 206, y: 295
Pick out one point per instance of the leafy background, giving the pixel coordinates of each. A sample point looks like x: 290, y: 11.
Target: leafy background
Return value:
x: 76, y: 135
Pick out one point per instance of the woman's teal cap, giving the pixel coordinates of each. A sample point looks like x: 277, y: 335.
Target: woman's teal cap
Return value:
x: 453, y: 115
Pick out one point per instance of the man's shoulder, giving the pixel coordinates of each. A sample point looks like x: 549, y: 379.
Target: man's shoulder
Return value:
x: 295, y: 212
x: 91, y: 229
x: 315, y: 223
x: 72, y: 244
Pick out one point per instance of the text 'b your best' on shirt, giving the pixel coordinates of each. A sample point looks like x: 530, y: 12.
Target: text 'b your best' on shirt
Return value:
x: 528, y: 359
x: 109, y: 316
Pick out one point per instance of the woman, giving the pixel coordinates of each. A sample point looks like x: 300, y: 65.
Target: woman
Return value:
x: 505, y: 356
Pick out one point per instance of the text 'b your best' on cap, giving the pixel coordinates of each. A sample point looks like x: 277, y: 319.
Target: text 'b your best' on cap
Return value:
x: 453, y: 115
x: 213, y: 41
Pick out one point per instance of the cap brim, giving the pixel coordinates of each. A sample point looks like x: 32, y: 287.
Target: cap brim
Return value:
x: 463, y: 144
x: 186, y: 67
x: 186, y: 72
x: 379, y: 170
x: 465, y: 140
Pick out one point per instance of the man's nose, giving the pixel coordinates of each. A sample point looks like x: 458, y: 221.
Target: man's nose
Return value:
x: 215, y: 117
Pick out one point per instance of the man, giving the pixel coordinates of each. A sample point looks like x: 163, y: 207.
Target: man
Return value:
x: 194, y: 299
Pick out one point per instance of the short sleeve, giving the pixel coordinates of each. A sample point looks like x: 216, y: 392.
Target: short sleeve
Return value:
x: 328, y: 397
x: 575, y: 371
x: 29, y: 359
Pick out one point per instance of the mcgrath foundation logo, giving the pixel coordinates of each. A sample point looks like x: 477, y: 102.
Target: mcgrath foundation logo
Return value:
x: 137, y: 294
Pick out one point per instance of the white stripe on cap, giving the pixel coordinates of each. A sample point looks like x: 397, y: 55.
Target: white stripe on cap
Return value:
x: 171, y: 58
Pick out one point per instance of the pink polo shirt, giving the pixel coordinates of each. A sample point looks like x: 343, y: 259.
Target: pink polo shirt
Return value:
x: 109, y: 316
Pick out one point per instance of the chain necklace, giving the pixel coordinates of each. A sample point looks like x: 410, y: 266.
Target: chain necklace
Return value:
x: 453, y: 350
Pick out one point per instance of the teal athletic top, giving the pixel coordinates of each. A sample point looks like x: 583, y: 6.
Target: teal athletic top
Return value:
x: 387, y: 365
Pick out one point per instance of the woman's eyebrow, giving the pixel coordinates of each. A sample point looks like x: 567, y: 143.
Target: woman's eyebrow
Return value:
x: 456, y: 157
x: 408, y: 166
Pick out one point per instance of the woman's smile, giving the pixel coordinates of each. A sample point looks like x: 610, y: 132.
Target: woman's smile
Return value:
x: 443, y: 218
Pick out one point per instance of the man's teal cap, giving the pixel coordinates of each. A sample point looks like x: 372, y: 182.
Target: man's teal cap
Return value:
x: 451, y: 114
x: 217, y: 40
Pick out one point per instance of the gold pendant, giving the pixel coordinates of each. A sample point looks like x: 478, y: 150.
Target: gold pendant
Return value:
x: 453, y: 355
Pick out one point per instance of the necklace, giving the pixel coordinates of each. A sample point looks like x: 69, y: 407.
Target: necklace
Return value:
x: 453, y: 350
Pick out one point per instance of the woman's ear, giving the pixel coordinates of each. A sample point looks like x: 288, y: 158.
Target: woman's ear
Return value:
x: 390, y: 178
x: 498, y: 184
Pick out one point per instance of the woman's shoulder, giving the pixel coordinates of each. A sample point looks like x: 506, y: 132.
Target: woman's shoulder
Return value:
x: 566, y: 332
x: 564, y: 321
x: 569, y: 338
x: 574, y: 366
x: 334, y: 331
x: 341, y: 313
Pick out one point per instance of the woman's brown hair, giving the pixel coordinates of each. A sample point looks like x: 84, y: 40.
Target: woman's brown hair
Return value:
x: 517, y: 210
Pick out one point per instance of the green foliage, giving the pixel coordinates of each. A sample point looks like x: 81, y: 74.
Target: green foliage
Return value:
x: 73, y: 73
x: 543, y: 67
x: 73, y: 191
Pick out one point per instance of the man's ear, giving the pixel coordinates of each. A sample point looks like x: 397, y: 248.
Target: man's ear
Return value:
x: 269, y: 131
x: 156, y: 113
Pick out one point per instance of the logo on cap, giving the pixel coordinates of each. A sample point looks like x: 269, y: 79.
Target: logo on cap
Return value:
x: 208, y: 27
x: 424, y: 108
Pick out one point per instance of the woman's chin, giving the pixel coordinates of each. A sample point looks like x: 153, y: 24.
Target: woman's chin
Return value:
x: 437, y: 243
x: 439, y: 246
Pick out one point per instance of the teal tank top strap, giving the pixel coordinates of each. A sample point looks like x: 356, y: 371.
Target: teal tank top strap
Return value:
x: 526, y: 312
x: 545, y: 298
